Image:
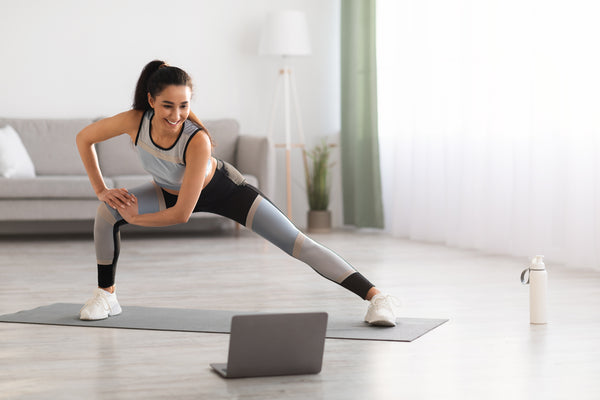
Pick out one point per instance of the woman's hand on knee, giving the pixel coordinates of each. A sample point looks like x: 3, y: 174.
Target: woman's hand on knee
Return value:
x: 129, y: 211
x: 116, y: 198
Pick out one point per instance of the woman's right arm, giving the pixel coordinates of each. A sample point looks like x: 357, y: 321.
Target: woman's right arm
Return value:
x: 127, y: 122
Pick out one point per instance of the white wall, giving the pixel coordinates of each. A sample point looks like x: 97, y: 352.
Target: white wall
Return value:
x: 73, y: 58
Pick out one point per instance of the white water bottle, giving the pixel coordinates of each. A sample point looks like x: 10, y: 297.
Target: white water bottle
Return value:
x: 538, y: 290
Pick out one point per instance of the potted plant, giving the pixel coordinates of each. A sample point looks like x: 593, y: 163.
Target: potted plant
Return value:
x: 318, y: 186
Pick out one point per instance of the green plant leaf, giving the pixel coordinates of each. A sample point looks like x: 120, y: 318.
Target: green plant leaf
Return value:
x: 318, y: 176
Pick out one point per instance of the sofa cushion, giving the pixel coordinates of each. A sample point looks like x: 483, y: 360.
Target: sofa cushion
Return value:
x: 118, y: 156
x: 130, y: 181
x: 48, y: 209
x: 254, y: 156
x: 41, y: 135
x: 224, y: 133
x: 50, y: 187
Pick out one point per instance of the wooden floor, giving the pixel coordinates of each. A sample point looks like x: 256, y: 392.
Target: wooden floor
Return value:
x: 488, y: 349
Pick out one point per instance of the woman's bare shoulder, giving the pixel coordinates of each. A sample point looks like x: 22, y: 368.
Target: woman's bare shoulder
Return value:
x: 127, y: 122
x: 129, y: 118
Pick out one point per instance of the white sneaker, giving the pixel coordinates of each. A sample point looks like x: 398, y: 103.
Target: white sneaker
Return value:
x: 382, y: 310
x: 101, y: 306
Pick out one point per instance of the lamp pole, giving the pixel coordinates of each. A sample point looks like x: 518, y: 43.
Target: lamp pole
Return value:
x: 288, y: 136
x: 286, y: 34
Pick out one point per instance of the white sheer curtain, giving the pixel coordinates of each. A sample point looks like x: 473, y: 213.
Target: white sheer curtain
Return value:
x: 489, y: 123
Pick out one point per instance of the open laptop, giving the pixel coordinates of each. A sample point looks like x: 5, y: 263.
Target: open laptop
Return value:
x: 275, y: 344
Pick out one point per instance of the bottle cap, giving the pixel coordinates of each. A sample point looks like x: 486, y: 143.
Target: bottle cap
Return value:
x: 537, y: 263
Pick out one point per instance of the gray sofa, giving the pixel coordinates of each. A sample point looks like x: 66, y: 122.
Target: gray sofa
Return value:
x: 61, y: 191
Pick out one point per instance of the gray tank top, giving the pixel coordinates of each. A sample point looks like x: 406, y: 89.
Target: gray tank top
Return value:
x: 165, y: 165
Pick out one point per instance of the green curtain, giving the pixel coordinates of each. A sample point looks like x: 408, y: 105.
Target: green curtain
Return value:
x: 361, y: 180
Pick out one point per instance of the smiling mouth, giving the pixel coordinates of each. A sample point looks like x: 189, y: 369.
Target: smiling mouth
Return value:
x: 172, y: 123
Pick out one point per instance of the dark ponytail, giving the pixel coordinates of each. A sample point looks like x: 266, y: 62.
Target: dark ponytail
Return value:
x: 155, y: 76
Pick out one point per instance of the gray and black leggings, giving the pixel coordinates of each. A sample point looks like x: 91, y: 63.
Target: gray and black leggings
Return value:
x: 227, y: 194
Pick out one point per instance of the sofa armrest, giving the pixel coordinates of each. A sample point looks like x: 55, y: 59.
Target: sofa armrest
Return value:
x: 254, y: 156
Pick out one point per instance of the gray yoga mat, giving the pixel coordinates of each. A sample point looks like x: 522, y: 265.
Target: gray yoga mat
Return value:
x: 213, y: 321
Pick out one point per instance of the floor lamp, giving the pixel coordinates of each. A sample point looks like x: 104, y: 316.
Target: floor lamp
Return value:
x: 285, y: 34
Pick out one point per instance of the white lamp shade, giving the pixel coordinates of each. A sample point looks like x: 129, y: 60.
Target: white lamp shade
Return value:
x: 285, y: 33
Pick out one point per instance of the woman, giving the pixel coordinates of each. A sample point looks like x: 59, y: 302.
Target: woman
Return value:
x: 175, y: 148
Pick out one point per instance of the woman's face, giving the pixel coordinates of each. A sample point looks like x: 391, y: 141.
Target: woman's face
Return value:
x: 171, y: 107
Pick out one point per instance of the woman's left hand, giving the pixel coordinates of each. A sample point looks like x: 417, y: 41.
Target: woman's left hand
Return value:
x: 129, y: 212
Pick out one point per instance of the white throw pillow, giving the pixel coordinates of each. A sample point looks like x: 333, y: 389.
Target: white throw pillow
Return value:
x: 14, y: 159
